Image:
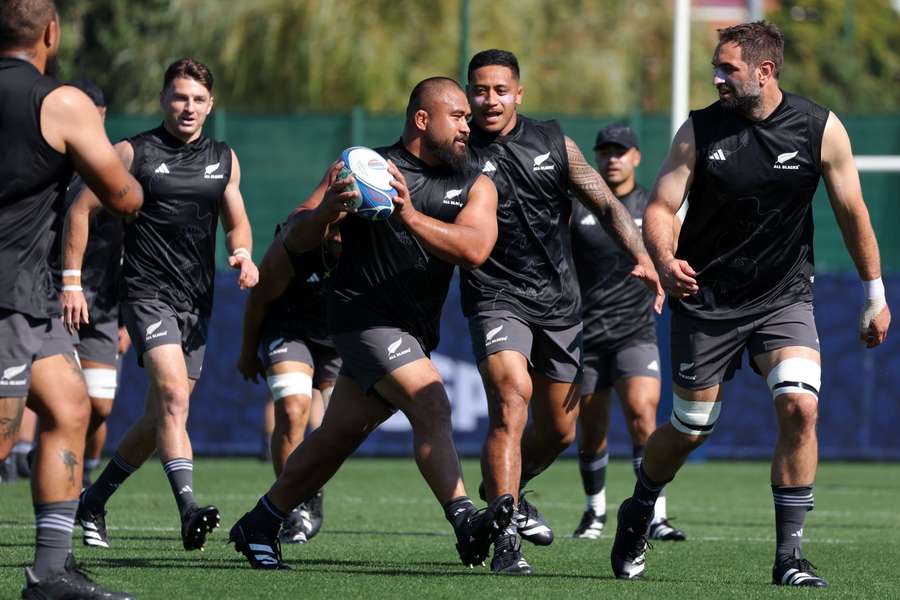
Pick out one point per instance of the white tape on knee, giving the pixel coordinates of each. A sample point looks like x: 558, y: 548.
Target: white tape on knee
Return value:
x: 326, y: 397
x: 795, y: 376
x: 101, y: 383
x: 694, y: 418
x: 289, y: 384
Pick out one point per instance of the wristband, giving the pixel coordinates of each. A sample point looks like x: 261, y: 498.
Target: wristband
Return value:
x: 241, y: 252
x: 874, y: 289
x: 72, y: 288
x: 71, y: 273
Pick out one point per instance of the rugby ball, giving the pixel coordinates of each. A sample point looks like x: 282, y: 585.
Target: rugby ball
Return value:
x: 372, y: 180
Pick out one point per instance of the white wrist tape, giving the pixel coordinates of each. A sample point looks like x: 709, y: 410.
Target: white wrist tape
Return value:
x: 71, y: 273
x: 72, y: 288
x: 874, y: 289
x: 241, y: 252
x: 871, y: 309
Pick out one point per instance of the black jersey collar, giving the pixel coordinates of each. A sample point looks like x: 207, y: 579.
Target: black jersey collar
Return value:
x: 173, y: 142
x: 481, y: 137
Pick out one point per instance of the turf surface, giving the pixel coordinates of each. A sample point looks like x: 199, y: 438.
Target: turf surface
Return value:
x: 385, y: 536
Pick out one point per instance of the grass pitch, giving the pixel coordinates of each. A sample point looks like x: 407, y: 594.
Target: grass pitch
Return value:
x: 385, y: 536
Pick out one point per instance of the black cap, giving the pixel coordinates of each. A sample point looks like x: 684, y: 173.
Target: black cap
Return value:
x: 90, y: 88
x: 617, y: 133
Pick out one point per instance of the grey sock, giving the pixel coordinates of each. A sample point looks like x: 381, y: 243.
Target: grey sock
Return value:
x: 53, y: 523
x: 180, y: 472
x: 593, y: 471
x: 115, y: 473
x: 791, y: 506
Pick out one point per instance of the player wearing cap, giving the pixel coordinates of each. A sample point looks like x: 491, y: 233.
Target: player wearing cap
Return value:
x: 620, y: 350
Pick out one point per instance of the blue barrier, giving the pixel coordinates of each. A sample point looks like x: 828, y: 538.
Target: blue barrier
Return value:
x: 859, y: 402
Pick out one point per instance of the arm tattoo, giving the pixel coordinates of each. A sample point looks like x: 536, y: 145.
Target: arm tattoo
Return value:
x: 599, y: 199
x: 68, y: 458
x: 9, y: 425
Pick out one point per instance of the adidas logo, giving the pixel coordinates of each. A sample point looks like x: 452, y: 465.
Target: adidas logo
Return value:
x: 151, y: 331
x: 449, y: 197
x: 717, y: 155
x: 539, y: 161
x: 798, y: 534
x: 314, y: 278
x: 394, y: 346
x: 7, y: 377
x: 653, y: 366
x: 589, y: 220
x: 783, y: 158
x: 210, y: 169
x: 274, y: 344
x: 638, y: 223
x: 489, y: 338
x: 488, y: 167
x: 185, y: 490
x: 162, y: 168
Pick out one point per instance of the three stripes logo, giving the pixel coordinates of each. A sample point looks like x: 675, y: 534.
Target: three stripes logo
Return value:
x: 162, y: 169
x: 488, y: 167
x: 717, y: 155
x: 276, y: 346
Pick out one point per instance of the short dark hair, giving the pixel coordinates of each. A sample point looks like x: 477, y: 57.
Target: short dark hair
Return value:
x: 758, y: 41
x: 485, y: 58
x: 425, y: 89
x: 91, y: 89
x: 23, y: 21
x: 188, y: 68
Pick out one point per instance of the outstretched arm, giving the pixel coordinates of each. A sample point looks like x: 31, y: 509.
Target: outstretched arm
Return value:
x: 845, y: 193
x: 324, y: 208
x: 467, y: 241
x: 612, y: 214
x: 70, y: 124
x: 276, y: 273
x: 660, y: 221
x: 238, y: 235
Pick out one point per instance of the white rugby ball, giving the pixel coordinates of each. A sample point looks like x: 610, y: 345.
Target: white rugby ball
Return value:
x: 372, y: 181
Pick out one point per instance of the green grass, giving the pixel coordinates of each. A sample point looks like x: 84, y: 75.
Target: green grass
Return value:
x: 385, y: 536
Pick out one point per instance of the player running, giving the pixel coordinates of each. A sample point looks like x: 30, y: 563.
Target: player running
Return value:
x: 48, y: 128
x: 619, y: 336
x: 384, y: 309
x: 285, y: 323
x: 167, y: 286
x: 523, y: 304
x: 742, y: 278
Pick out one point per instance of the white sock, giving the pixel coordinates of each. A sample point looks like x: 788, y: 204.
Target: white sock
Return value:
x: 596, y: 502
x: 659, y: 510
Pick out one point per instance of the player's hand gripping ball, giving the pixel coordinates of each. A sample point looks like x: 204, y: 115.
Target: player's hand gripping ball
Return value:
x: 372, y: 180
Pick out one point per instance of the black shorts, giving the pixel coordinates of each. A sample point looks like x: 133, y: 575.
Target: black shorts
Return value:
x: 552, y: 351
x: 98, y: 341
x: 707, y: 352
x: 153, y: 323
x: 371, y: 354
x: 603, y: 369
x: 325, y: 361
x: 23, y: 340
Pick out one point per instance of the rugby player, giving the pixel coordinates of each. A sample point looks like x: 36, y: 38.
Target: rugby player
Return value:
x: 742, y: 278
x: 523, y: 304
x: 620, y: 350
x: 384, y: 308
x: 285, y: 324
x: 167, y: 286
x: 100, y: 340
x: 48, y: 128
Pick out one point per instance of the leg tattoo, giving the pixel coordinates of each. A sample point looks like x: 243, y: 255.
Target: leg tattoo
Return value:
x: 9, y: 426
x: 68, y: 458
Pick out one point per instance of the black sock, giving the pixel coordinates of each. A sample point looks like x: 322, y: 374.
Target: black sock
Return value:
x: 593, y: 471
x: 528, y: 476
x: 791, y: 506
x: 646, y: 491
x: 266, y: 516
x: 457, y: 509
x: 180, y: 472
x: 115, y: 473
x: 53, y: 536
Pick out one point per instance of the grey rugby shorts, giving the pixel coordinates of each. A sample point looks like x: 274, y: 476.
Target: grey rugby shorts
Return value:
x: 552, y: 351
x: 707, y: 352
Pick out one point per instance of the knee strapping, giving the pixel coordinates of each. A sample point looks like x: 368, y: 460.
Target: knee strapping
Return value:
x: 101, y: 383
x: 795, y: 376
x: 694, y: 418
x: 289, y: 384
